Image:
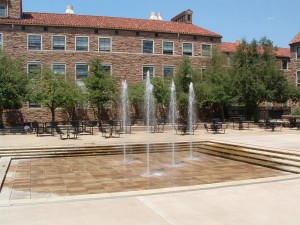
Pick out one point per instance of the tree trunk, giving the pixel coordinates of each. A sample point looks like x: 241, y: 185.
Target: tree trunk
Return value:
x: 53, y: 113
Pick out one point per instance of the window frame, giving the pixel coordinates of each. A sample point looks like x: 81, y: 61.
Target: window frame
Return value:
x: 107, y: 65
x: 41, y: 42
x: 88, y: 44
x: 287, y: 64
x: 143, y: 52
x: 192, y: 53
x: 298, y: 53
x: 163, y: 48
x: 167, y: 66
x: 110, y: 44
x: 144, y: 77
x: 60, y: 64
x: 76, y: 69
x: 298, y: 79
x: 65, y: 43
x: 210, y: 52
x: 33, y: 104
x: 5, y: 6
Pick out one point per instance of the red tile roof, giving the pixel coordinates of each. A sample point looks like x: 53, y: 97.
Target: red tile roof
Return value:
x: 296, y: 39
x: 73, y: 20
x: 228, y: 47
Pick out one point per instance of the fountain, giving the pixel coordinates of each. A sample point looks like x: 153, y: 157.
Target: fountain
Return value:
x: 191, y: 117
x: 173, y: 116
x: 124, y: 113
x: 149, y: 110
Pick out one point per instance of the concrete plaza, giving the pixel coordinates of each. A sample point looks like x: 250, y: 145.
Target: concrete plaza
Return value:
x: 271, y: 200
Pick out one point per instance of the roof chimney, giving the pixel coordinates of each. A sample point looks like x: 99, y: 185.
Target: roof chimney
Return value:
x: 159, y: 16
x: 69, y: 9
x: 153, y: 16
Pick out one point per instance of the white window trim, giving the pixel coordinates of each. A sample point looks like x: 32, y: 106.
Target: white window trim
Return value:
x: 162, y: 49
x: 59, y: 36
x: 202, y: 50
x: 28, y: 42
x: 36, y: 63
x: 59, y: 63
x: 168, y: 66
x: 6, y: 10
x: 188, y: 43
x: 110, y: 44
x: 153, y: 44
x: 78, y: 63
x: 298, y: 71
x: 148, y: 65
x: 82, y: 37
x: 108, y: 64
x: 2, y: 40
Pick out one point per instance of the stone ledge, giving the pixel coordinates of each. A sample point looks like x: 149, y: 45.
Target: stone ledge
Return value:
x: 4, y: 165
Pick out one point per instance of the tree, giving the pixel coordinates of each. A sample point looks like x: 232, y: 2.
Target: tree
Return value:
x: 257, y: 77
x: 136, y: 96
x: 100, y: 85
x: 182, y: 80
x: 13, y: 83
x: 215, y: 87
x: 52, y: 90
x: 161, y: 94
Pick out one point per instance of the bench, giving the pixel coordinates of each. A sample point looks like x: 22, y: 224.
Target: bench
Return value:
x: 67, y: 131
x: 216, y: 128
x: 185, y: 128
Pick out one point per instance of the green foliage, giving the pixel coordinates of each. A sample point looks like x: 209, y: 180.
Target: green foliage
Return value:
x: 136, y: 96
x: 52, y: 91
x: 183, y: 78
x: 296, y: 112
x: 101, y: 87
x: 13, y: 82
x: 257, y: 77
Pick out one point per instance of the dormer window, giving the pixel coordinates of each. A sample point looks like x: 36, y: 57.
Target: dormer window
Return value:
x: 3, y: 11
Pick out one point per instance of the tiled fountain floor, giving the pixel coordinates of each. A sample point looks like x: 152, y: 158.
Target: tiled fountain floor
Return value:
x: 49, y: 177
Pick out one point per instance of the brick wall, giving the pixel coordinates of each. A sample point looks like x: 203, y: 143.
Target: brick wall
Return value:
x: 126, y: 58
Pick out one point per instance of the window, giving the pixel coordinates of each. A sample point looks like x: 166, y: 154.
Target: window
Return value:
x: 59, y: 68
x: 187, y: 48
x: 206, y: 50
x: 1, y: 41
x: 298, y: 53
x: 298, y: 77
x: 148, y: 46
x: 3, y: 10
x: 82, y: 44
x: 146, y: 69
x: 34, y: 42
x: 34, y: 70
x: 168, y: 72
x: 59, y: 43
x: 107, y: 68
x: 82, y: 70
x: 284, y: 64
x: 168, y: 47
x: 104, y: 44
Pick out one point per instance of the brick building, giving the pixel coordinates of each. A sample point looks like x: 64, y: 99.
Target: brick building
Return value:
x: 127, y: 47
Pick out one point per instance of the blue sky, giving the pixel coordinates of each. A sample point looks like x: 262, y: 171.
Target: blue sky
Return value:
x: 233, y: 19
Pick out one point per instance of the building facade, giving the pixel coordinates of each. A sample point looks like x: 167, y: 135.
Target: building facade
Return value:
x: 127, y: 47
